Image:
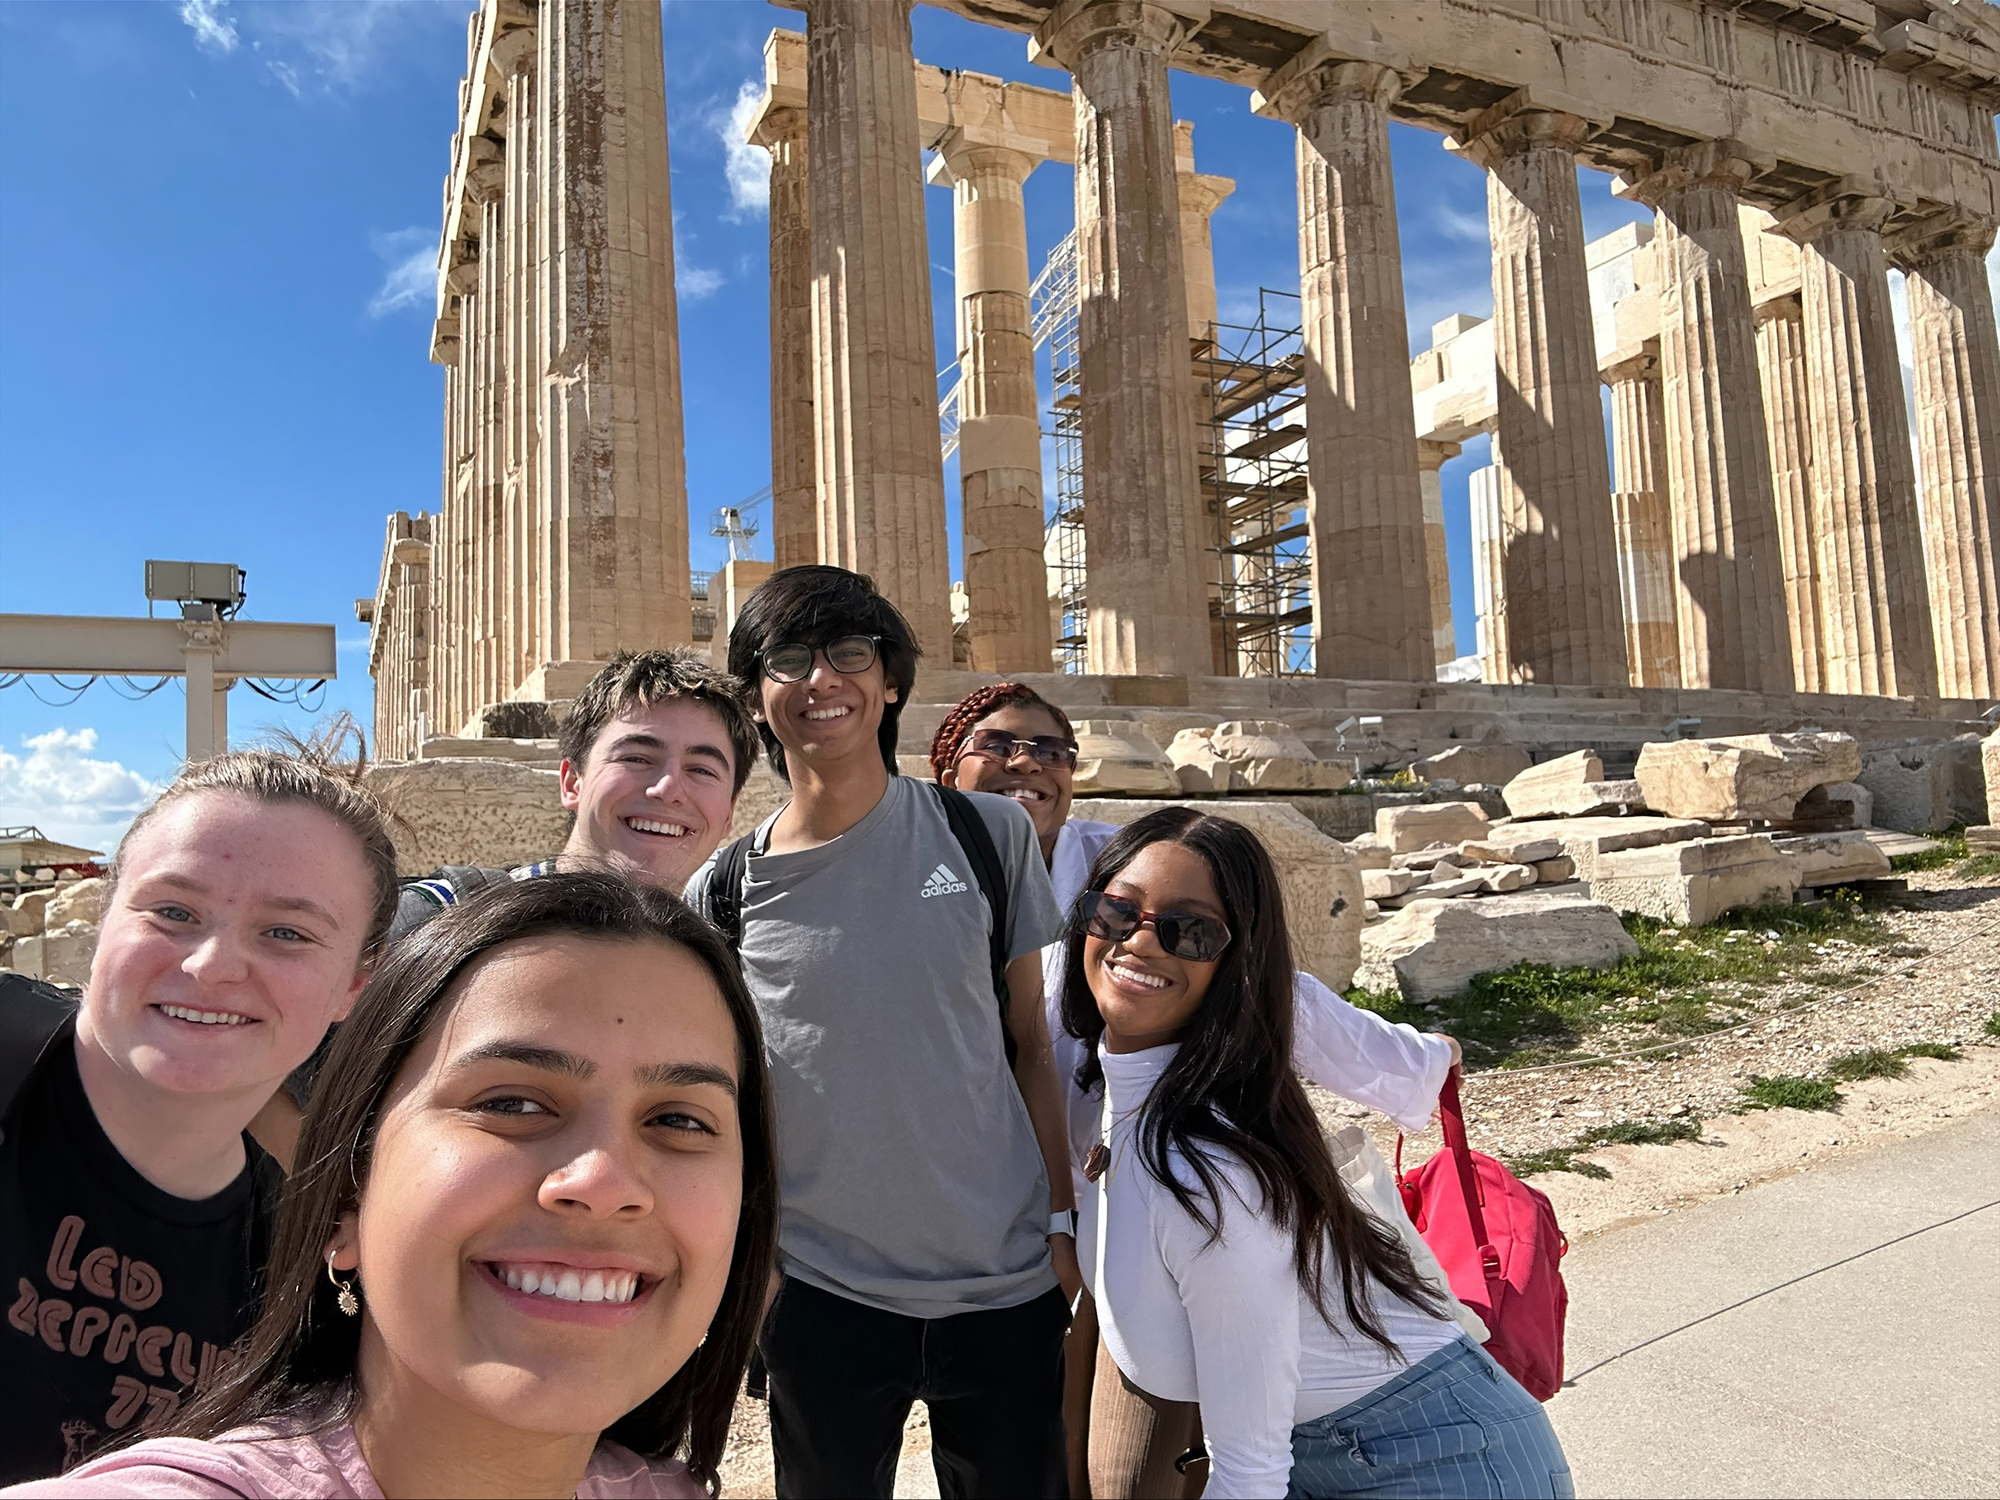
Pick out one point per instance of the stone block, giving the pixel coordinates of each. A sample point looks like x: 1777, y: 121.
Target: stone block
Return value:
x: 1427, y: 859
x: 1370, y: 853
x: 1379, y: 885
x: 1419, y: 825
x: 1989, y: 761
x: 1925, y: 786
x: 32, y: 905
x: 1486, y: 765
x: 1858, y: 795
x: 1432, y: 950
x: 81, y: 902
x: 1539, y: 791
x: 61, y: 957
x: 1201, y: 771
x: 1983, y: 839
x: 1452, y: 886
x: 1833, y: 858
x: 1370, y: 911
x: 493, y: 747
x: 1263, y: 755
x: 1697, y: 881
x: 1319, y: 876
x: 1116, y: 757
x: 516, y: 720
x: 469, y: 812
x: 1550, y: 871
x: 1520, y: 852
x: 1584, y: 839
x: 1744, y: 776
x: 26, y: 923
x: 1505, y: 878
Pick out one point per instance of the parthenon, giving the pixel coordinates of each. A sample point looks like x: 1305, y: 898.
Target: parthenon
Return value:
x: 1755, y: 522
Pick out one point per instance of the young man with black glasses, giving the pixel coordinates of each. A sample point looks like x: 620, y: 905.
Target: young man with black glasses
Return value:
x: 927, y: 1247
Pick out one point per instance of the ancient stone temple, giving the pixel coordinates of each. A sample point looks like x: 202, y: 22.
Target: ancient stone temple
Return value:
x: 1759, y: 521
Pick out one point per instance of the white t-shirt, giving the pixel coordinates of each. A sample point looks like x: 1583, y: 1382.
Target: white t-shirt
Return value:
x: 1224, y: 1323
x: 1348, y: 1051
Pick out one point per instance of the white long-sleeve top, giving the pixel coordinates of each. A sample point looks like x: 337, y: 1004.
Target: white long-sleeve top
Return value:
x: 1225, y: 1324
x: 1396, y: 1070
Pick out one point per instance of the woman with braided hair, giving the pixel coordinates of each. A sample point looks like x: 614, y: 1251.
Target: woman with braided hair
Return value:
x: 1008, y: 739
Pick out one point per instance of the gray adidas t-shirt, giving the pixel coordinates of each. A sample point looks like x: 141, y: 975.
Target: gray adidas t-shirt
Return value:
x: 910, y: 1177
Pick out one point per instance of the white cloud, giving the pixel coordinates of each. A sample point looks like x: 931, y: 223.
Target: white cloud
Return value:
x: 411, y: 278
x: 696, y: 282
x: 748, y: 167
x: 1459, y: 225
x: 71, y: 797
x: 213, y: 31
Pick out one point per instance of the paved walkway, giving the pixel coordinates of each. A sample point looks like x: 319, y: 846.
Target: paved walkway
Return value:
x: 1762, y: 1344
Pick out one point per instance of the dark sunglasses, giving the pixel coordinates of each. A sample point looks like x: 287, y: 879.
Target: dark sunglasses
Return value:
x: 1195, y: 938
x: 792, y: 661
x: 1049, y: 750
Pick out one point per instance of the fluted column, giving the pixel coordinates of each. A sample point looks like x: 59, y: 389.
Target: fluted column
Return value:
x: 1559, y: 620
x: 794, y: 502
x: 1957, y: 366
x: 1731, y: 608
x: 999, y: 429
x: 1145, y: 524
x: 880, y: 470
x: 1371, y: 587
x: 1781, y: 369
x: 1876, y: 614
x: 1641, y: 516
x: 1201, y: 194
x: 611, y: 459
x: 1489, y: 565
x: 1432, y: 456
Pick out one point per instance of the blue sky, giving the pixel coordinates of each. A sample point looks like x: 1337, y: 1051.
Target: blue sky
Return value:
x: 217, y: 222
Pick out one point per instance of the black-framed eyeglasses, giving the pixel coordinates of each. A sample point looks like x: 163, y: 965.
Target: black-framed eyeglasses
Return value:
x: 792, y: 661
x: 1050, y: 751
x: 1184, y: 934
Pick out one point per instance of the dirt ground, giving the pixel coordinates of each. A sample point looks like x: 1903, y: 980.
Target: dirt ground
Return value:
x: 1943, y: 996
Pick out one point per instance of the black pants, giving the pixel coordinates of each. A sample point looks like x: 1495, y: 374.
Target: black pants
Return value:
x: 843, y: 1377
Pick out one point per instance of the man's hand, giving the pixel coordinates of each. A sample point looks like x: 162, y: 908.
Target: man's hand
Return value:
x: 1069, y: 1275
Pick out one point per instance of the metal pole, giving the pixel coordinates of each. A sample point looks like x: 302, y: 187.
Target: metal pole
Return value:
x: 200, y: 640
x: 220, y: 741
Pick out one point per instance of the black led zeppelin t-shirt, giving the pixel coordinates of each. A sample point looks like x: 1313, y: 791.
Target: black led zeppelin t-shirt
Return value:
x: 121, y: 1299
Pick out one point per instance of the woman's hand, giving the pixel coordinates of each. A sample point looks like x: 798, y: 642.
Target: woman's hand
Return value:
x: 1069, y: 1275
x: 1457, y: 1054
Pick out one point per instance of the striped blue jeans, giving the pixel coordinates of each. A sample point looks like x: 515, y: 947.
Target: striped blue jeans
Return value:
x: 1455, y: 1424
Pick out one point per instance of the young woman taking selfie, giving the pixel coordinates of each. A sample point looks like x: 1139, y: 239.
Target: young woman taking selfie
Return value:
x: 525, y: 1246
x: 1241, y: 1292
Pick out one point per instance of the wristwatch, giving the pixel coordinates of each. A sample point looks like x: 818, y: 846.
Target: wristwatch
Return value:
x: 1063, y: 1223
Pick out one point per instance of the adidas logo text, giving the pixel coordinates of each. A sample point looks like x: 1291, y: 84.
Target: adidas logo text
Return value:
x: 942, y: 882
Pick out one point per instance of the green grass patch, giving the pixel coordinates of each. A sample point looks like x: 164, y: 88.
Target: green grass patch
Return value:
x: 1992, y: 1026
x: 1939, y: 1050
x: 1789, y: 1091
x: 1873, y: 1063
x: 1623, y: 1133
x: 1950, y: 850
x: 1979, y: 867
x: 1533, y: 1014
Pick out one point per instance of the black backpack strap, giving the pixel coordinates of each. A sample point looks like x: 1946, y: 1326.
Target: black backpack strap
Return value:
x: 33, y: 1016
x: 976, y: 839
x: 724, y: 895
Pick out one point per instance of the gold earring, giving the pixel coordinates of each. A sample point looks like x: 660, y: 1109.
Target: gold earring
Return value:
x: 344, y: 1297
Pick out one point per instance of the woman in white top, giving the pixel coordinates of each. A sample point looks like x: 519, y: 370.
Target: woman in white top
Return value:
x: 1228, y: 1263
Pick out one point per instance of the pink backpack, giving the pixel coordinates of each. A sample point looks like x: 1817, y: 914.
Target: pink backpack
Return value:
x: 1499, y: 1244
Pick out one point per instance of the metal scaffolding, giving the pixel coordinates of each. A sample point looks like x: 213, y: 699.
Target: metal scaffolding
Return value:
x: 1250, y: 380
x: 1052, y: 304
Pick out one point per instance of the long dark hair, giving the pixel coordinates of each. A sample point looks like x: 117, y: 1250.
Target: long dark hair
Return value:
x: 1230, y: 1088
x: 299, y: 1358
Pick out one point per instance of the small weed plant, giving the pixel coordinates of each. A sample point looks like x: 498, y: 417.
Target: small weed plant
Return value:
x: 1623, y: 1133
x: 1790, y: 1091
x: 1951, y: 849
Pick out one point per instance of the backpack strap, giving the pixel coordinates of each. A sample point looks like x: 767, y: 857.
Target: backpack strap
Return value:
x: 34, y: 1015
x: 976, y: 839
x: 724, y: 896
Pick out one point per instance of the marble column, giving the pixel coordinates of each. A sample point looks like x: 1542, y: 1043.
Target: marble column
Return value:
x: 1641, y: 516
x: 513, y: 55
x: 794, y: 501
x: 1781, y: 368
x: 880, y: 469
x: 1200, y: 196
x: 1731, y: 607
x: 1560, y: 620
x: 999, y: 428
x: 1957, y: 367
x: 1371, y: 589
x: 1875, y: 613
x: 1146, y: 527
x: 1489, y: 565
x: 1432, y: 456
x: 612, y: 469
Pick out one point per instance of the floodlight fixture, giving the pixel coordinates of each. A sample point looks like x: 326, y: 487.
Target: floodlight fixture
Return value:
x: 1683, y: 729
x: 215, y: 590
